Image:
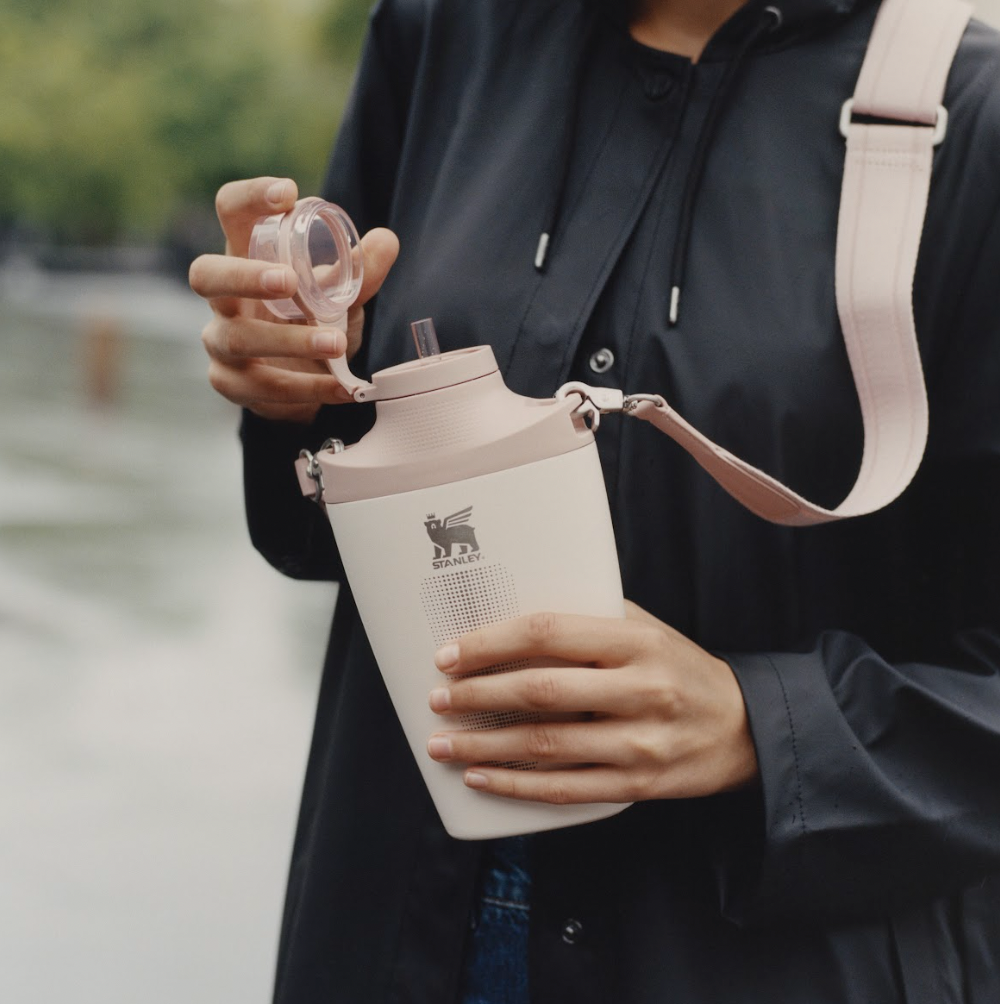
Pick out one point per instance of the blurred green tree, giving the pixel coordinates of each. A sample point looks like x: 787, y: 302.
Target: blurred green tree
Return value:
x: 117, y: 118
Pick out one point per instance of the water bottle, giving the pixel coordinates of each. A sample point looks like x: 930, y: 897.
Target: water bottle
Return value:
x: 466, y: 504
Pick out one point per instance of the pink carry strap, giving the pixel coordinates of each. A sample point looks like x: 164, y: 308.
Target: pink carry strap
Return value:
x: 883, y: 204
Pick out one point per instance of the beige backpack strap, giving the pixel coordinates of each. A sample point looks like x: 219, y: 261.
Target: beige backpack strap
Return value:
x: 883, y: 205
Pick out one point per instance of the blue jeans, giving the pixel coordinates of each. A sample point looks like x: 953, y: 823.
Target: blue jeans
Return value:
x: 495, y: 970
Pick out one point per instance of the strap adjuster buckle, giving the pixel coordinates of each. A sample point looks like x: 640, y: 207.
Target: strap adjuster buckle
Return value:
x: 940, y: 123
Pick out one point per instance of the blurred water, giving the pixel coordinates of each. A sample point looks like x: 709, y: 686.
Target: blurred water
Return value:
x: 156, y: 677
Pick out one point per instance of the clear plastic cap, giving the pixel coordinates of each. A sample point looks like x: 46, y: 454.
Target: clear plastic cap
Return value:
x: 320, y: 243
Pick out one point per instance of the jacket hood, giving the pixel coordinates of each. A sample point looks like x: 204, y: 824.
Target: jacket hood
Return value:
x: 800, y: 12
x: 799, y: 18
x: 795, y: 13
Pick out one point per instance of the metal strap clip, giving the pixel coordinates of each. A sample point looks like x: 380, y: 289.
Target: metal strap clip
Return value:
x: 599, y: 401
x: 314, y: 471
x: 313, y: 468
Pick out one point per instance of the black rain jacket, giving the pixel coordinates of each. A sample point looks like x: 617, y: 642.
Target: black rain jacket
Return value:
x: 865, y: 868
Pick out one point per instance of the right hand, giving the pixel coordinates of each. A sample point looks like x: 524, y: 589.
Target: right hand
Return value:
x: 273, y: 367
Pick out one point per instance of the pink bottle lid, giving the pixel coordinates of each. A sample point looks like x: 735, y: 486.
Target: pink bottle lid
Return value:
x: 444, y: 419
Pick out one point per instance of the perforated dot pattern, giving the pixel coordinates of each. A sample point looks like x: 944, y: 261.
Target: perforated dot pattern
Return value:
x: 467, y: 599
x: 426, y: 427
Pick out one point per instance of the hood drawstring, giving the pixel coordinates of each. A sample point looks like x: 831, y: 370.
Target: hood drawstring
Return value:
x: 771, y: 21
x: 568, y: 142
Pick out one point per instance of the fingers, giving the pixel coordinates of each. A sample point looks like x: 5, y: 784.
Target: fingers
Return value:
x: 636, y: 781
x: 549, y: 691
x: 225, y: 279
x: 215, y: 276
x: 272, y: 368
x: 256, y: 385
x: 667, y: 718
x: 582, y: 640
x: 239, y: 204
x: 586, y: 761
x: 242, y: 338
x: 546, y: 742
x: 558, y: 787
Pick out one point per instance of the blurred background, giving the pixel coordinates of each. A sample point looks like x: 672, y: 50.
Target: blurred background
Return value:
x: 157, y: 679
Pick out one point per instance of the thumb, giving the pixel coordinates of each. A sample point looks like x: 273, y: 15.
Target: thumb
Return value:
x: 379, y: 248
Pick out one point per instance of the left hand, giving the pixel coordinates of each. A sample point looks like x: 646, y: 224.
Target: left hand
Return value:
x: 657, y: 716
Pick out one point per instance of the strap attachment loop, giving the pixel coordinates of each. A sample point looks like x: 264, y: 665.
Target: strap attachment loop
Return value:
x: 940, y: 124
x: 309, y: 469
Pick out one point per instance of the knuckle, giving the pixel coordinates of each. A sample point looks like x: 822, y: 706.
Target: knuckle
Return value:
x: 652, y: 638
x: 226, y: 197
x: 669, y: 698
x: 474, y: 650
x: 464, y: 695
x: 541, y: 627
x: 541, y: 691
x: 557, y: 792
x: 646, y: 692
x: 657, y: 692
x: 247, y: 278
x: 508, y: 786
x: 645, y: 747
x: 641, y: 787
x: 318, y: 387
x: 281, y: 384
x: 220, y: 381
x: 208, y: 337
x: 233, y: 339
x: 214, y: 378
x: 540, y: 742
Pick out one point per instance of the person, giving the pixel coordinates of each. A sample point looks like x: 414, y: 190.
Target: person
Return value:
x: 807, y: 720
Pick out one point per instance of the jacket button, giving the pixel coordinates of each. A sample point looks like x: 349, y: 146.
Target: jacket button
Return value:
x: 572, y: 931
x: 602, y: 360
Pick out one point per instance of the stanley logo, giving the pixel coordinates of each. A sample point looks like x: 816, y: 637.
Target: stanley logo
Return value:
x: 453, y: 532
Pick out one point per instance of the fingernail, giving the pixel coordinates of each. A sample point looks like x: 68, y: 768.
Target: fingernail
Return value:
x: 439, y: 747
x: 279, y: 192
x: 475, y: 780
x: 274, y: 280
x: 446, y: 657
x: 329, y: 343
x: 440, y: 699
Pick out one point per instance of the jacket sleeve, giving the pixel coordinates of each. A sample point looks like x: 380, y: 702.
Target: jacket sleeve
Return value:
x: 289, y: 530
x: 880, y: 782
